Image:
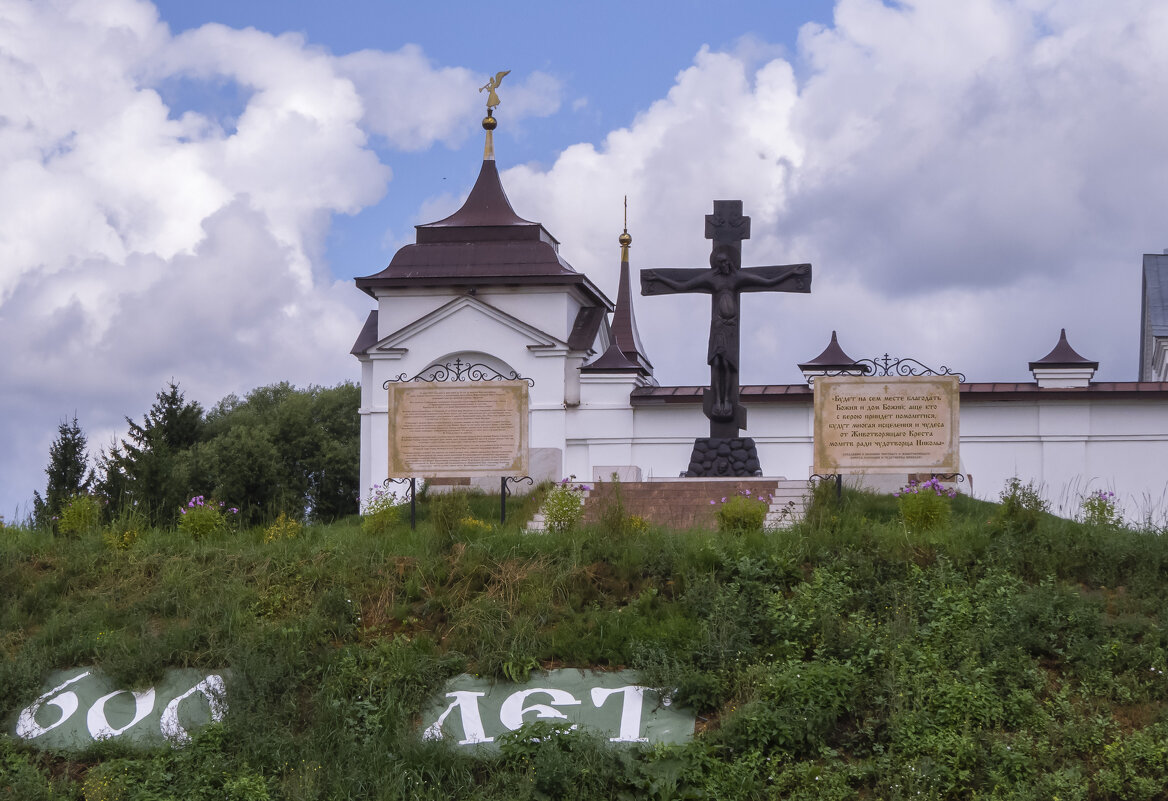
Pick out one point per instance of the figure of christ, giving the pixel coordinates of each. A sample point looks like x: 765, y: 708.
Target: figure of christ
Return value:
x: 724, y: 281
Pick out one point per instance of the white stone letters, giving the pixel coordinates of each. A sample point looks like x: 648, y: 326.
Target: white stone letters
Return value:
x: 99, y: 727
x: 467, y: 703
x: 482, y: 710
x: 630, y: 725
x: 512, y: 711
x: 212, y: 689
x: 89, y: 700
x: 26, y: 725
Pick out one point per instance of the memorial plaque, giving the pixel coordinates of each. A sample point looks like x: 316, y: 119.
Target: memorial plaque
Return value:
x: 458, y: 428
x: 886, y: 424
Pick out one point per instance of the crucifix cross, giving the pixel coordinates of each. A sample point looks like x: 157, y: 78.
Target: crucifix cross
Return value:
x: 724, y: 281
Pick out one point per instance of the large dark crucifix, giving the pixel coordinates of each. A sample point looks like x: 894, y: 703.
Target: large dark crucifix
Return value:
x: 724, y: 281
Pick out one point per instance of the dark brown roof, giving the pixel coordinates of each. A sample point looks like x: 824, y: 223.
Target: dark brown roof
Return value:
x: 834, y: 358
x: 1063, y: 355
x: 585, y: 327
x: 1005, y: 391
x: 626, y: 352
x: 613, y: 360
x: 368, y: 336
x: 486, y: 205
x: 483, y: 243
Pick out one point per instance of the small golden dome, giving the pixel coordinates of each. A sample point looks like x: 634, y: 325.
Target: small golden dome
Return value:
x: 625, y: 239
x: 489, y: 123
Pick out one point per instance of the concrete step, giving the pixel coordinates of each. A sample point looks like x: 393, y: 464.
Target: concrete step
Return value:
x: 693, y: 502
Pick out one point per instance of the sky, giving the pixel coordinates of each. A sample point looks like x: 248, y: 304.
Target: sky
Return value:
x: 187, y: 190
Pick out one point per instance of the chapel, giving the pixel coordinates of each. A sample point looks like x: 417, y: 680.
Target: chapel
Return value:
x: 485, y: 292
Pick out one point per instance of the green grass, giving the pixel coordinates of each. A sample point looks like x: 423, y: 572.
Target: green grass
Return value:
x: 848, y: 657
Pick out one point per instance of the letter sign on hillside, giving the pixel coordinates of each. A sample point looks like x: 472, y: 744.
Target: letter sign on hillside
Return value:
x: 82, y: 705
x: 476, y: 711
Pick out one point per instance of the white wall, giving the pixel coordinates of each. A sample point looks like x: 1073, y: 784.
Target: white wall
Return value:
x: 1068, y: 448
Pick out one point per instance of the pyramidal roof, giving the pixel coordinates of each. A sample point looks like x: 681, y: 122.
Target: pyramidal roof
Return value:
x: 1063, y: 355
x: 483, y: 243
x: 625, y: 352
x: 834, y: 358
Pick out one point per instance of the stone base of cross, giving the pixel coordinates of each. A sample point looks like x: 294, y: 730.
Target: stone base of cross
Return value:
x: 716, y: 457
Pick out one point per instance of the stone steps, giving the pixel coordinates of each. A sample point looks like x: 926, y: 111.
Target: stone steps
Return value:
x: 686, y: 502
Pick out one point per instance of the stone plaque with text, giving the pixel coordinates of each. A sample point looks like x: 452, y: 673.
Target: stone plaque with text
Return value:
x: 886, y: 424
x: 458, y: 428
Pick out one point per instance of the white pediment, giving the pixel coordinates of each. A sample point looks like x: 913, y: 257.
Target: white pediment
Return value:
x: 468, y: 323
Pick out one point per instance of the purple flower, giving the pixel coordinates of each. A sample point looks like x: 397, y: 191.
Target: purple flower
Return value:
x: 746, y: 492
x: 723, y: 500
x: 712, y: 503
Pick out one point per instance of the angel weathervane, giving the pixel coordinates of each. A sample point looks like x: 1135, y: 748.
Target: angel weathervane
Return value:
x: 491, y: 86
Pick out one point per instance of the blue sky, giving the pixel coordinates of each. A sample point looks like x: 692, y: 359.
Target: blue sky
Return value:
x: 188, y: 189
x: 611, y: 58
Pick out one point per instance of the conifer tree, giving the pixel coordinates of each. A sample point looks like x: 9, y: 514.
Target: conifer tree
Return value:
x: 149, y: 468
x: 68, y: 472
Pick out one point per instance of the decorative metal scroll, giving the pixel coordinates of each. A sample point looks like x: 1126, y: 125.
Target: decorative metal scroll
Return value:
x: 887, y: 366
x: 460, y: 371
x: 815, y: 479
x: 505, y: 491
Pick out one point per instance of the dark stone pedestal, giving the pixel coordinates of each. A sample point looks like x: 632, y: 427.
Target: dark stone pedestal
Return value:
x: 714, y: 457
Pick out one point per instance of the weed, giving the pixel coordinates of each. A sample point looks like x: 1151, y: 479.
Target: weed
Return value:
x: 381, y: 511
x: 80, y: 515
x: 742, y: 513
x: 1022, y: 505
x: 1099, y: 509
x: 201, y: 518
x: 924, y: 506
x: 285, y: 528
x: 563, y: 506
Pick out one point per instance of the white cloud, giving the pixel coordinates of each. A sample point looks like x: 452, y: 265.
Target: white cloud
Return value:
x: 142, y: 240
x: 966, y: 179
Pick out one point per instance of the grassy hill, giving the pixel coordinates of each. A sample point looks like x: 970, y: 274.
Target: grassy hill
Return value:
x: 1002, y: 655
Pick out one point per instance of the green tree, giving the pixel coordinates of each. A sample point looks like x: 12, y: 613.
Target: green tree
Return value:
x: 153, y: 467
x: 287, y: 450
x: 68, y: 471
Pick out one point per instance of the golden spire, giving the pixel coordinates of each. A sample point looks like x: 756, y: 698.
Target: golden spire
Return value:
x: 489, y: 122
x: 625, y: 240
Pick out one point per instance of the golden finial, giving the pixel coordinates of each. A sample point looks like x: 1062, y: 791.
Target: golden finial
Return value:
x: 489, y: 122
x: 625, y: 240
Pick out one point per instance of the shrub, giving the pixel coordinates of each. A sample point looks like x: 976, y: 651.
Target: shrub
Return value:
x: 563, y: 506
x: 924, y: 506
x: 80, y: 515
x: 742, y: 513
x: 285, y: 528
x: 1021, y: 506
x: 1099, y: 509
x: 202, y: 518
x: 381, y: 511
